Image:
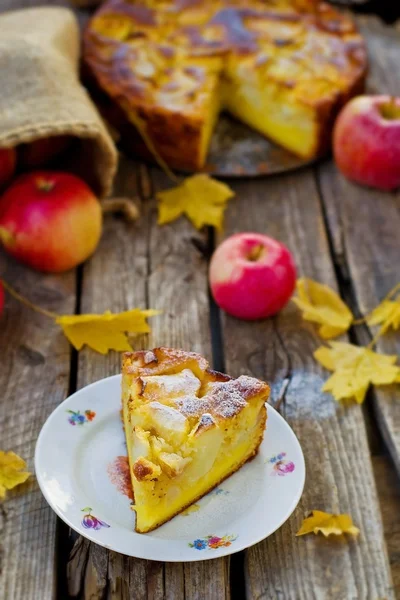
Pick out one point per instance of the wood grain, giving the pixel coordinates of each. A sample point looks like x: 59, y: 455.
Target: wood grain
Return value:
x: 177, y: 284
x: 34, y: 375
x: 364, y: 226
x: 114, y: 279
x: 146, y: 265
x: 339, y: 472
x: 388, y: 485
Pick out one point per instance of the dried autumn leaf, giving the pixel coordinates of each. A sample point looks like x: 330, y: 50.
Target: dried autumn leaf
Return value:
x: 107, y: 331
x: 320, y: 304
x: 355, y: 369
x: 387, y: 314
x: 327, y: 524
x: 202, y: 199
x: 11, y: 472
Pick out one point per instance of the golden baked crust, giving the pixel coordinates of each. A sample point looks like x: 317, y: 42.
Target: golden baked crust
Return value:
x: 187, y: 428
x: 177, y: 63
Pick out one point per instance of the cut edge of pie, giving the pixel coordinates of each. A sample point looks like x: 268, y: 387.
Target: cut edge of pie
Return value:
x: 187, y: 429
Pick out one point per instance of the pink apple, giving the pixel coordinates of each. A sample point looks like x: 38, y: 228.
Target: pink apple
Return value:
x: 7, y: 164
x: 252, y: 276
x: 366, y: 141
x: 50, y: 220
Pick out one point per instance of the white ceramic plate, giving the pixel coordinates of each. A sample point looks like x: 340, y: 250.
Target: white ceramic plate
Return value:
x: 77, y: 468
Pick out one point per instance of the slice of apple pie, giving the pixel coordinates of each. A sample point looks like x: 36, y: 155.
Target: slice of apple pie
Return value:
x: 187, y: 428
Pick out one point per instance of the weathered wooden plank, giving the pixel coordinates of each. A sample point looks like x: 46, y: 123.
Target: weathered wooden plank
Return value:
x: 140, y: 265
x: 339, y: 472
x: 178, y: 286
x: 34, y: 375
x: 114, y: 279
x: 389, y: 497
x: 364, y: 226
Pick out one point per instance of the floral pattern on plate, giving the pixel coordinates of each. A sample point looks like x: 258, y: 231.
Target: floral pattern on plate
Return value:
x: 219, y: 492
x: 76, y: 418
x: 212, y: 542
x: 89, y: 521
x: 281, y: 467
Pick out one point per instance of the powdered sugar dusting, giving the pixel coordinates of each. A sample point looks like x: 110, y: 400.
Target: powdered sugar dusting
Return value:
x: 224, y: 399
x: 249, y: 386
x: 206, y: 419
x: 192, y: 406
x: 182, y: 383
x: 149, y: 357
x: 227, y: 401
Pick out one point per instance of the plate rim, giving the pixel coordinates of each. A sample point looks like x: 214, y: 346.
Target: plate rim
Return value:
x: 195, y: 558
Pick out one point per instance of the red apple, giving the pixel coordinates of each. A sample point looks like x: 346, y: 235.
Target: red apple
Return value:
x: 7, y: 164
x: 50, y: 221
x: 1, y: 298
x: 252, y: 276
x: 43, y: 151
x: 366, y: 141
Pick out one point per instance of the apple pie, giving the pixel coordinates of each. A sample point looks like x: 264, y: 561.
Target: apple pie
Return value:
x: 284, y: 67
x: 187, y: 429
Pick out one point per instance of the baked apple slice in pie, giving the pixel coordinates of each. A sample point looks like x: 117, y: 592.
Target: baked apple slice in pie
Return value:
x: 187, y: 428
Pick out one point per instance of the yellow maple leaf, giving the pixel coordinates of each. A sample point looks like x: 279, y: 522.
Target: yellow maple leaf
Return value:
x: 202, y: 199
x: 11, y: 472
x: 107, y: 331
x: 386, y: 314
x: 327, y: 524
x: 320, y: 304
x: 355, y: 369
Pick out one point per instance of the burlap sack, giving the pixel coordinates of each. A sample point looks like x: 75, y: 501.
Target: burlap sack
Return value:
x: 41, y: 96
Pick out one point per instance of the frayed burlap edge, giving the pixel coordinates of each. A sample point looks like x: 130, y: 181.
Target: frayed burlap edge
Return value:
x: 39, y: 51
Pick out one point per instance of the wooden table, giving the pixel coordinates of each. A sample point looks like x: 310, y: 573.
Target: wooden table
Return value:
x: 340, y: 234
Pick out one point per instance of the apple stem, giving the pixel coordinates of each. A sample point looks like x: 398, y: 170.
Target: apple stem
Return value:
x: 27, y: 302
x: 122, y: 205
x: 255, y: 253
x: 390, y: 109
x: 44, y: 185
x: 7, y: 238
